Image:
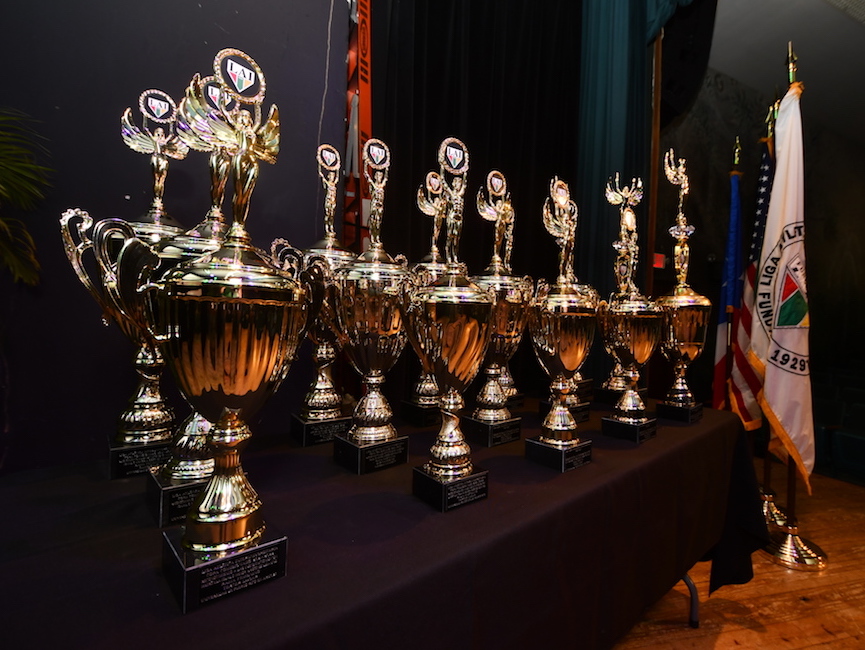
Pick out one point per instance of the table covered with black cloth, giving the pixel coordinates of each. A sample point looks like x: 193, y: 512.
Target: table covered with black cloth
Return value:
x: 549, y: 560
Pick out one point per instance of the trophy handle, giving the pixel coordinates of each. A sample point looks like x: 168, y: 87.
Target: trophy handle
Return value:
x: 315, y: 280
x: 79, y: 222
x: 108, y: 238
x: 285, y: 256
x: 135, y: 264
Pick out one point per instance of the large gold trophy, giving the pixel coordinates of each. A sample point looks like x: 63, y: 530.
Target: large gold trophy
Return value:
x: 686, y: 313
x: 321, y: 417
x: 229, y: 323
x: 365, y: 295
x: 421, y: 409
x: 562, y: 326
x: 630, y: 323
x: 449, y: 323
x: 491, y: 423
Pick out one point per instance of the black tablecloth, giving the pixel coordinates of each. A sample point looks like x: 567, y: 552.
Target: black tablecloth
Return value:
x: 548, y: 560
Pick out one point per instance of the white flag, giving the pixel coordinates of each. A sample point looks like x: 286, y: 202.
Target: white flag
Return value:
x: 779, y: 332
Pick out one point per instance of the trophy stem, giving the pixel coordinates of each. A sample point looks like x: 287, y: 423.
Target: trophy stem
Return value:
x: 492, y: 401
x: 191, y: 459
x: 148, y: 418
x: 506, y: 380
x: 630, y: 408
x: 450, y: 455
x: 616, y: 381
x: 680, y: 393
x: 372, y: 415
x: 226, y: 515
x: 559, y: 427
x: 426, y: 390
x: 323, y: 401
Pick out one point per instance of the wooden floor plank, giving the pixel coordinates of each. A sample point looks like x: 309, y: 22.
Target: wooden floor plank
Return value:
x: 780, y: 607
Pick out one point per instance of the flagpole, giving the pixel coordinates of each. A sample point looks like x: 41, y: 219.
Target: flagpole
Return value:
x: 787, y: 547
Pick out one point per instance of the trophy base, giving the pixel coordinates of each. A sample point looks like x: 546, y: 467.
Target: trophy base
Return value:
x: 420, y: 416
x: 677, y: 413
x: 516, y: 401
x: 126, y: 459
x: 198, y: 579
x: 562, y: 460
x: 447, y: 495
x: 169, y: 501
x: 607, y: 397
x: 491, y: 434
x: 636, y: 433
x: 363, y: 459
x: 580, y: 411
x: 316, y: 432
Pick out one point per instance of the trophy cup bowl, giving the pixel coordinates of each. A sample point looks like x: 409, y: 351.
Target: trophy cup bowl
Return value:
x: 685, y: 324
x: 562, y: 327
x: 449, y: 325
x: 631, y: 326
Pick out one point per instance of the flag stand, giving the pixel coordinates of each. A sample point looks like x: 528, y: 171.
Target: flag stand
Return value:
x: 772, y: 513
x: 787, y: 547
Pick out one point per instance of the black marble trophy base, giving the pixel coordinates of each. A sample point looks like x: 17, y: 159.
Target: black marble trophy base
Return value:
x: 198, y: 579
x: 131, y: 460
x: 420, y: 416
x: 562, y: 460
x: 317, y: 432
x: 490, y: 434
x: 169, y: 501
x: 363, y: 459
x: 604, y: 397
x: 580, y: 411
x: 677, y: 413
x: 447, y: 495
x: 636, y: 433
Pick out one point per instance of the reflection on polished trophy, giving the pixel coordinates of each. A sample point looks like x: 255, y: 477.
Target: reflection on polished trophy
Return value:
x: 146, y: 426
x: 630, y: 323
x: 686, y: 313
x: 421, y: 409
x: 562, y: 326
x: 321, y: 417
x: 365, y: 295
x: 491, y: 423
x: 449, y: 324
x: 229, y: 323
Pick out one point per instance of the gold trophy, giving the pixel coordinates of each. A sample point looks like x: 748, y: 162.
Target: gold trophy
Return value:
x: 145, y: 428
x: 491, y: 423
x: 229, y: 323
x: 421, y: 409
x: 686, y: 313
x: 630, y: 323
x: 365, y: 295
x: 321, y: 416
x: 449, y: 324
x: 562, y: 326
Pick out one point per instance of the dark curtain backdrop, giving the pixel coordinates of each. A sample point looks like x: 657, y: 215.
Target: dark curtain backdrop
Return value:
x: 536, y: 90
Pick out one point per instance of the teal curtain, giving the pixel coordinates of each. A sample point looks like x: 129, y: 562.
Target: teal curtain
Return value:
x: 614, y: 119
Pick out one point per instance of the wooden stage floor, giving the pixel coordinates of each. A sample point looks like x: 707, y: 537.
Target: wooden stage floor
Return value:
x: 779, y: 608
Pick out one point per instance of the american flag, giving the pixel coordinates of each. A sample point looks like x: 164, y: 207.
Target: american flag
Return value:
x: 744, y: 382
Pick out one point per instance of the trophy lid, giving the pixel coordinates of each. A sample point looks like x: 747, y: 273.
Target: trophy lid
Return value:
x: 568, y: 297
x: 453, y: 287
x: 631, y: 303
x: 236, y: 270
x: 682, y: 296
x: 335, y: 255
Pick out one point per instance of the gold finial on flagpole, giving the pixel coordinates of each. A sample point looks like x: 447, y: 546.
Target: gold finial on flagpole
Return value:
x: 791, y: 63
x: 737, y: 153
